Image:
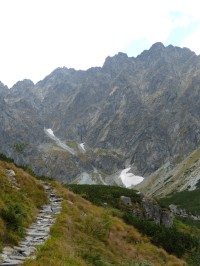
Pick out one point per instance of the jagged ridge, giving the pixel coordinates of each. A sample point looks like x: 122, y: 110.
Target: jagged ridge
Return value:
x: 146, y: 109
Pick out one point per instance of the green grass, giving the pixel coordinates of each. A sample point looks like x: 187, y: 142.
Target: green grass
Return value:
x: 176, y: 240
x: 87, y: 235
x: 20, y: 197
x: 171, y: 239
x: 83, y: 234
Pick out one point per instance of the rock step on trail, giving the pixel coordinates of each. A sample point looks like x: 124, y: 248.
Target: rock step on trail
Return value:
x: 36, y: 234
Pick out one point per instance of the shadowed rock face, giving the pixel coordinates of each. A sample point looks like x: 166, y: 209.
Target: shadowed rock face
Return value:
x: 152, y: 211
x: 146, y: 109
x: 149, y: 209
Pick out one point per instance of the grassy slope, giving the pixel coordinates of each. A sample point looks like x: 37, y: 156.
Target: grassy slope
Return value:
x: 85, y: 234
x: 18, y: 207
x: 182, y: 239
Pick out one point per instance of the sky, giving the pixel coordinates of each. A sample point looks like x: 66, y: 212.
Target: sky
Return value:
x: 38, y: 36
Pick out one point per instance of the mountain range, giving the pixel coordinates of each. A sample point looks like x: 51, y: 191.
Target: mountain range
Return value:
x: 138, y: 112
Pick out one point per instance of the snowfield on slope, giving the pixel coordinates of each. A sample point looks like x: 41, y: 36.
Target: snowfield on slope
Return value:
x: 49, y: 133
x: 129, y: 179
x: 82, y: 145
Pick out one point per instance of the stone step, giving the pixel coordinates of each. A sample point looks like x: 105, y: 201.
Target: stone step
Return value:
x: 36, y: 234
x: 56, y: 199
x: 15, y: 257
x: 11, y: 263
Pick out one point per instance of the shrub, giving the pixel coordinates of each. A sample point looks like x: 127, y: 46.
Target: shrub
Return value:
x: 172, y: 240
x: 13, y: 216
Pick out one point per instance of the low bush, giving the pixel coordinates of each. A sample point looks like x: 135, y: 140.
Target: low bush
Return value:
x: 172, y: 240
x: 188, y: 200
x: 104, y: 195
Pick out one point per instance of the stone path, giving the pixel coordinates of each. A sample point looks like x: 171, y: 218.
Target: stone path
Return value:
x: 36, y: 234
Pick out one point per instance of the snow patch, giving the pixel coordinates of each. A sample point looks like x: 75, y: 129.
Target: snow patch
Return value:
x: 129, y: 179
x: 83, y: 146
x: 50, y: 131
x: 51, y: 135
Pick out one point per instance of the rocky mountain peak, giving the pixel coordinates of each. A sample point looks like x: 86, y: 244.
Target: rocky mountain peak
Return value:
x: 141, y: 112
x: 120, y: 57
x: 3, y: 88
x: 116, y: 64
x: 157, y: 46
x: 23, y: 85
x: 153, y: 53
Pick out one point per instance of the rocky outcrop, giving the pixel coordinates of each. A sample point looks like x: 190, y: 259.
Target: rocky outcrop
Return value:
x: 126, y: 200
x: 183, y: 213
x: 150, y: 210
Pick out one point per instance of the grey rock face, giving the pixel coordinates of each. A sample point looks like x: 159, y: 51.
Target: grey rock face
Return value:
x: 166, y: 218
x: 182, y: 213
x: 126, y: 200
x: 146, y: 109
x: 150, y: 210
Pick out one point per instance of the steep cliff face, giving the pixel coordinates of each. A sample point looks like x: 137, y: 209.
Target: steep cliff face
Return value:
x: 145, y: 109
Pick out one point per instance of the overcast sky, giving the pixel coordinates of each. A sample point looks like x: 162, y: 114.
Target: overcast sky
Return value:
x: 38, y: 36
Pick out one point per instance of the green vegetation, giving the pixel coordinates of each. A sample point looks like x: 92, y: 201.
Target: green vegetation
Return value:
x: 188, y: 225
x: 171, y: 239
x: 87, y: 235
x: 188, y: 200
x: 104, y: 195
x: 19, y: 147
x: 84, y: 234
x: 176, y: 240
x: 5, y: 158
x: 20, y: 197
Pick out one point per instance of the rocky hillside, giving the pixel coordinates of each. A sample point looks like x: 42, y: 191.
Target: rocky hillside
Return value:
x: 140, y: 112
x: 173, y: 177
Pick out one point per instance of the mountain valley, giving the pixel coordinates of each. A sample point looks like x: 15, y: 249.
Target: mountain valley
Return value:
x: 124, y: 137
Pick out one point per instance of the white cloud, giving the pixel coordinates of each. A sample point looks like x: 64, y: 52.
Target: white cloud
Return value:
x: 38, y: 36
